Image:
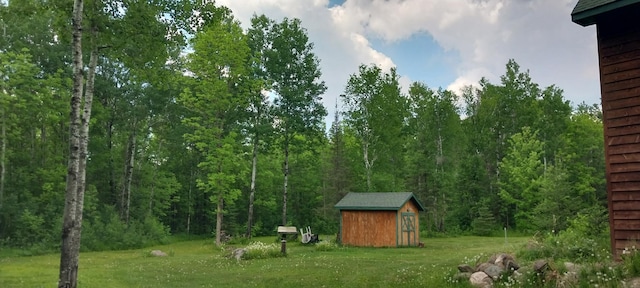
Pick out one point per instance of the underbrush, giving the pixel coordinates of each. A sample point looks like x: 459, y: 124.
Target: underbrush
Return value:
x: 579, y: 256
x: 586, y: 240
x: 113, y: 234
x: 326, y: 246
x: 260, y: 250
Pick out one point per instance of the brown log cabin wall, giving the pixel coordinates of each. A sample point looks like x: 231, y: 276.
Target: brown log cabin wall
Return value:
x: 369, y: 228
x: 619, y: 56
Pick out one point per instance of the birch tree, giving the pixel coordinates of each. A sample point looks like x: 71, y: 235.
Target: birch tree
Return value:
x: 359, y: 95
x: 259, y: 116
x: 376, y: 111
x: 80, y: 115
x: 294, y: 72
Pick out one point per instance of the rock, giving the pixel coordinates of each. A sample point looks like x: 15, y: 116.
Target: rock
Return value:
x: 568, y: 279
x: 483, y: 266
x: 540, y: 265
x: 499, y: 258
x: 506, y: 261
x: 632, y: 283
x: 238, y: 253
x: 511, y: 265
x: 462, y: 276
x: 481, y: 279
x: 158, y: 253
x: 465, y: 268
x: 493, y: 270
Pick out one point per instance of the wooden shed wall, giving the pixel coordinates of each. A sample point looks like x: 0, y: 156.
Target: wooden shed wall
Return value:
x: 369, y: 228
x: 403, y: 240
x: 619, y: 56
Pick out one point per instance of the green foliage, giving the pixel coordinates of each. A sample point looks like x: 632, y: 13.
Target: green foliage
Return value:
x: 108, y: 232
x: 179, y: 121
x: 484, y: 224
x: 31, y: 229
x: 585, y: 240
x: 377, y: 111
x: 522, y: 176
x: 326, y: 246
x: 631, y: 261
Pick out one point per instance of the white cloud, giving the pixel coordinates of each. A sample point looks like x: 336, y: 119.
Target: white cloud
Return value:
x: 484, y: 34
x: 538, y: 34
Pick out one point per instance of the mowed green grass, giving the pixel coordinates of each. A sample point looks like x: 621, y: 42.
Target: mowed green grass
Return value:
x: 202, y: 264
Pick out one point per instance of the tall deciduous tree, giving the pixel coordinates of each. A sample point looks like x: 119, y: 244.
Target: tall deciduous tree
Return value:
x: 522, y: 176
x: 18, y: 87
x: 377, y: 113
x: 259, y: 120
x: 78, y: 141
x: 294, y: 72
x: 362, y: 90
x: 435, y: 142
x: 218, y: 64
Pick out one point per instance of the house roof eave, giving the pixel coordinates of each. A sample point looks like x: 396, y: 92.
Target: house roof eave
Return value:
x: 589, y: 15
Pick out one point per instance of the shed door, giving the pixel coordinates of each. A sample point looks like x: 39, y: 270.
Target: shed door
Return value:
x: 408, y: 229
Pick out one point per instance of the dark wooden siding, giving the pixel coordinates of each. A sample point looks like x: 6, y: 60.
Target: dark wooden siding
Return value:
x: 619, y: 56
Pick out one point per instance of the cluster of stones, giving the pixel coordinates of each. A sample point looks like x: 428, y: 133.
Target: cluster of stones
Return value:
x: 484, y: 274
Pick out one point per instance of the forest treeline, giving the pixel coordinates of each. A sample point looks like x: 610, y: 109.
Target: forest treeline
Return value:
x: 201, y: 127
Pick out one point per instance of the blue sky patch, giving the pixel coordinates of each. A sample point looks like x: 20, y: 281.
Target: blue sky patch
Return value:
x: 421, y: 58
x: 335, y: 3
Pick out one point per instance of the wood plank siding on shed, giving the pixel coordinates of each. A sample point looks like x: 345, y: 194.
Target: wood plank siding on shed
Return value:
x: 619, y: 57
x: 368, y: 228
x: 383, y: 219
x: 371, y: 227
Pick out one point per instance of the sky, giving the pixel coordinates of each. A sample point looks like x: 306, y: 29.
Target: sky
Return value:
x: 442, y: 43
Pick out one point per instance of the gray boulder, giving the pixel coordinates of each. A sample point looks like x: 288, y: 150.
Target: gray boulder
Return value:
x: 465, y: 268
x: 493, y: 270
x: 481, y: 280
x: 238, y: 253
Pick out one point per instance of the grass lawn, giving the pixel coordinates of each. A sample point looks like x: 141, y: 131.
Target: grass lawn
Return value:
x: 201, y: 264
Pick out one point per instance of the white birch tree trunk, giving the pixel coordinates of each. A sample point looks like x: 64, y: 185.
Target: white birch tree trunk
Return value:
x: 254, y: 168
x: 286, y: 182
x: 128, y: 176
x: 78, y: 142
x: 69, y: 258
x: 2, y: 156
x: 219, y: 215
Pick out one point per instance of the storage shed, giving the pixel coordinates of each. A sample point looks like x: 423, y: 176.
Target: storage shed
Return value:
x: 380, y: 219
x: 618, y: 36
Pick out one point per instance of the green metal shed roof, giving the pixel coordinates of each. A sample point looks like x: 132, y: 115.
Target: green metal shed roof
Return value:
x: 377, y: 201
x: 586, y: 11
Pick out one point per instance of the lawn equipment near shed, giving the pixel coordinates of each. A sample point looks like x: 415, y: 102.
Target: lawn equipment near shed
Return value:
x: 308, y: 237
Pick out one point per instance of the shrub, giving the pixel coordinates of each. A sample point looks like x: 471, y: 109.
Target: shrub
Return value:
x: 585, y: 240
x: 260, y: 250
x: 484, y: 224
x: 631, y: 261
x: 111, y: 233
x: 31, y: 229
x: 326, y: 246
